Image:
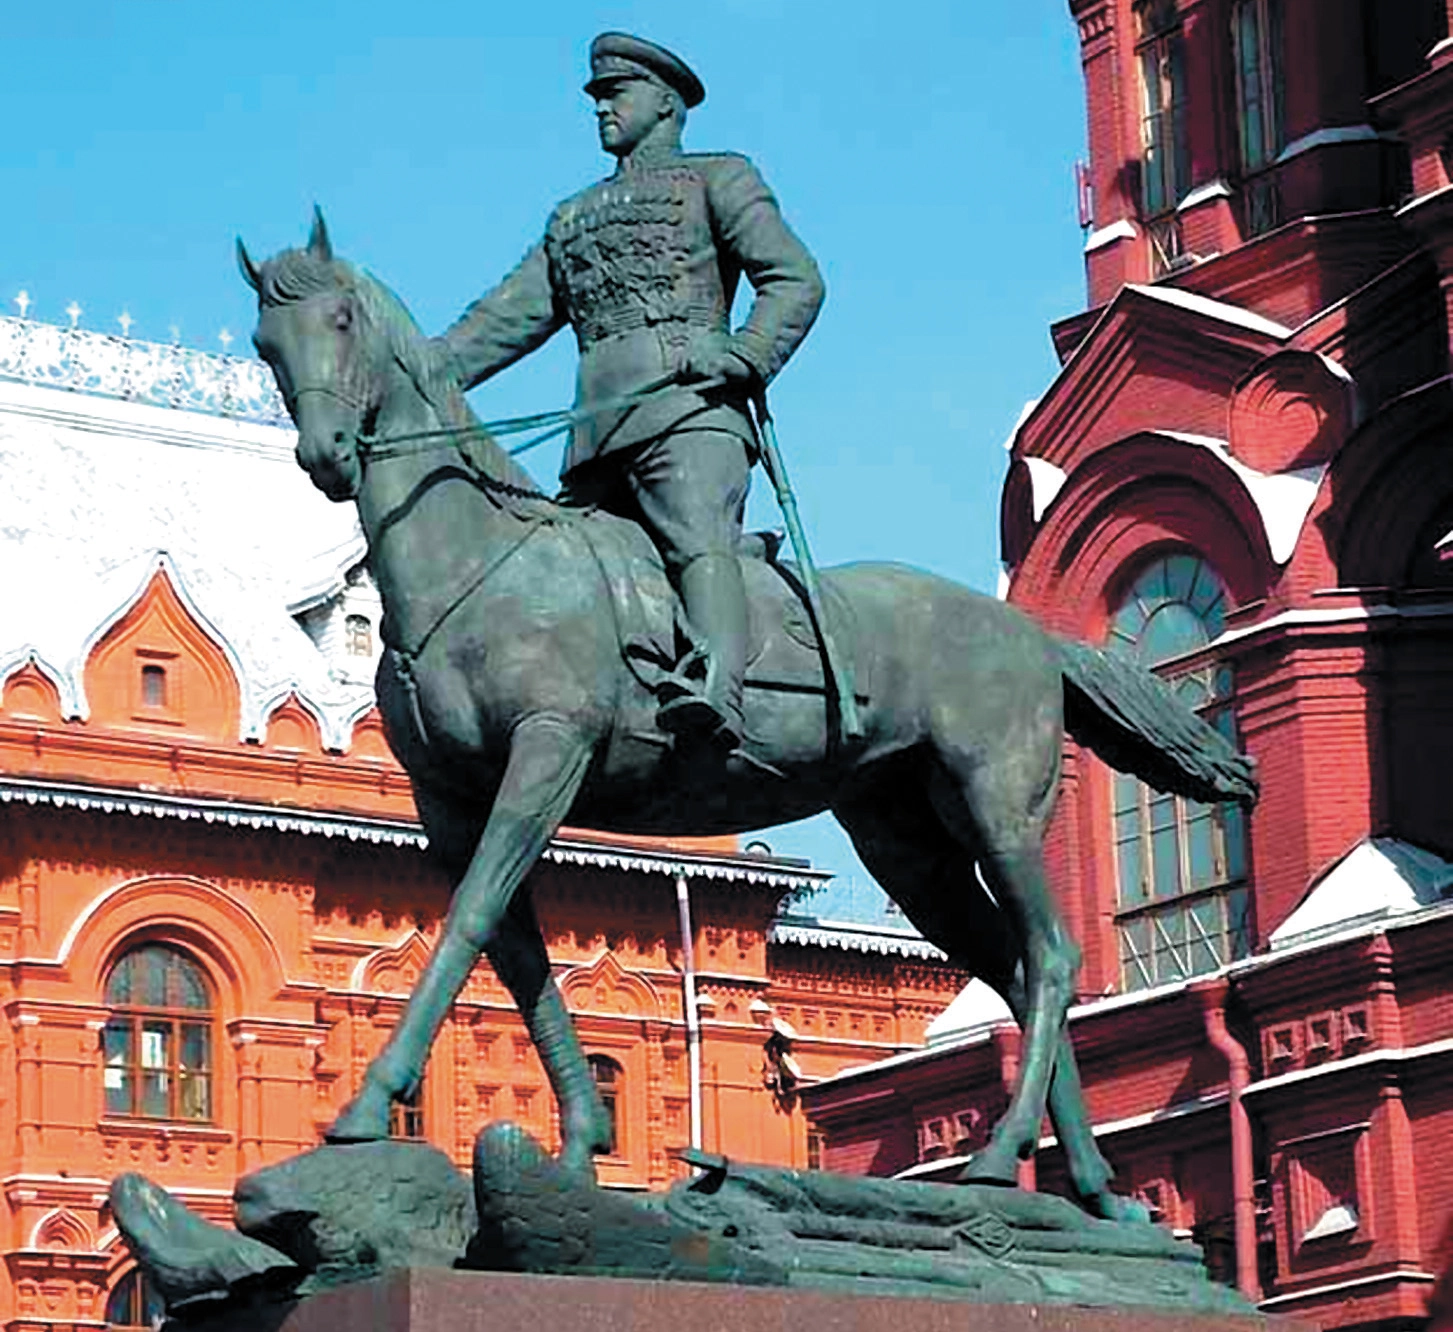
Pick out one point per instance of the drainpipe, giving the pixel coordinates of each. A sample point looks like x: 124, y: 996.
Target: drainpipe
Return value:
x: 688, y: 995
x: 1212, y: 996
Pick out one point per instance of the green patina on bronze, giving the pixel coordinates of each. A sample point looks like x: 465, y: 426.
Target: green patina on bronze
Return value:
x: 541, y: 665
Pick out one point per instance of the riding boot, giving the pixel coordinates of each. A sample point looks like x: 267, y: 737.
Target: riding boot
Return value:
x: 714, y: 598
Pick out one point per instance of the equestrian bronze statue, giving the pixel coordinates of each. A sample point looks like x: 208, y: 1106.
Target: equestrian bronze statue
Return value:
x: 530, y: 642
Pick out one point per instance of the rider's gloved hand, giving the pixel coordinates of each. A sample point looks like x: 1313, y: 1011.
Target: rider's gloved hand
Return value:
x: 711, y: 360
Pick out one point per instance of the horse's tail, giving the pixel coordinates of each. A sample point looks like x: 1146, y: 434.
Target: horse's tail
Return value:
x: 1133, y: 721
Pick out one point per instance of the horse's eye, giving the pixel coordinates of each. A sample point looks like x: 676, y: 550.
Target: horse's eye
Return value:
x: 343, y: 320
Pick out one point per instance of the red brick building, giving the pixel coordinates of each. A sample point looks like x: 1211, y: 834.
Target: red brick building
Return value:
x: 213, y: 893
x: 1243, y: 475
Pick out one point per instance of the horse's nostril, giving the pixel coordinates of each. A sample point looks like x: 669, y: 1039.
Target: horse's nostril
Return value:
x: 338, y: 437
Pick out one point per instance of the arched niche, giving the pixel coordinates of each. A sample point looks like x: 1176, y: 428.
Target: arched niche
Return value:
x: 31, y: 694
x: 367, y: 740
x: 606, y: 988
x: 294, y: 728
x: 1146, y: 493
x: 157, y: 668
x: 242, y: 960
x: 1387, y: 492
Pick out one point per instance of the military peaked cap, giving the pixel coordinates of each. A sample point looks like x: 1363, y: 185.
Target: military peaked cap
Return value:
x: 618, y: 55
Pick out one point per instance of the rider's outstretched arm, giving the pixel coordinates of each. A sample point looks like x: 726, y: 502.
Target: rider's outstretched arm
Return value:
x: 504, y: 324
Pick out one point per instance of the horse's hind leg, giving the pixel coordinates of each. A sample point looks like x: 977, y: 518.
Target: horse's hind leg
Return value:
x: 521, y: 962
x: 1015, y: 873
x: 1090, y: 1174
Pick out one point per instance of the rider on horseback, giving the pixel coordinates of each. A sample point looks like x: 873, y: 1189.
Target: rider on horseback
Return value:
x: 644, y: 266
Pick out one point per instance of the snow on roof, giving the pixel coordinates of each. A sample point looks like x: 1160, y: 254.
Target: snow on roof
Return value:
x: 854, y: 937
x: 975, y: 1008
x: 97, y: 493
x: 1283, y: 499
x: 1379, y: 877
x: 1213, y: 309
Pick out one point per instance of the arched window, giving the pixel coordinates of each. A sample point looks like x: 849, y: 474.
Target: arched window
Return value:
x: 134, y: 1303
x: 1180, y: 865
x: 609, y: 1078
x: 358, y: 636
x: 158, y: 1040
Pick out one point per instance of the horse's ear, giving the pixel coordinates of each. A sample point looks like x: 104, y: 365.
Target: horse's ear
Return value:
x: 319, y: 246
x: 250, y: 273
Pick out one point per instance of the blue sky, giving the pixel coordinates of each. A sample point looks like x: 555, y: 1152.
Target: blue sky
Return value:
x: 923, y: 150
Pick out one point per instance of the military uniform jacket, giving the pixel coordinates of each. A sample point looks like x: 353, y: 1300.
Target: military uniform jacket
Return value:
x: 642, y: 266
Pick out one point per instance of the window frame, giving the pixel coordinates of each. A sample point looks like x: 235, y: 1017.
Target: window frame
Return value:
x: 135, y: 1288
x: 1258, y: 160
x: 180, y: 1026
x: 612, y: 1096
x: 1187, y: 916
x: 1164, y: 160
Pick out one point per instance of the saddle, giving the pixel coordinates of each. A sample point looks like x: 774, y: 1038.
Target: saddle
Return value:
x: 659, y: 646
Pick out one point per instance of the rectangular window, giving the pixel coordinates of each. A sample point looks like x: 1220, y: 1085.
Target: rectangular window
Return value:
x: 1257, y: 37
x: 1256, y: 31
x: 153, y: 686
x: 1165, y: 160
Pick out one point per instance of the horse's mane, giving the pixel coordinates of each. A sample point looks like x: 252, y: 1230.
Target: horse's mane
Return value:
x: 295, y: 275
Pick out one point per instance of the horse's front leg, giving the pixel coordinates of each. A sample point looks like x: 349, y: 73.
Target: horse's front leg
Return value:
x: 547, y: 762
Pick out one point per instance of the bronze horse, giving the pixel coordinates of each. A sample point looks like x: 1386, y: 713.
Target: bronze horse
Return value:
x: 516, y: 693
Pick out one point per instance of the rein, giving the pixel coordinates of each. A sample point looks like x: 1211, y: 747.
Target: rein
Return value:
x: 380, y: 448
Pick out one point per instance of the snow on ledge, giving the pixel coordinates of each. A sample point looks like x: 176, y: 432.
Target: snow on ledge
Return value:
x: 1045, y: 482
x: 1213, y: 309
x: 1124, y: 229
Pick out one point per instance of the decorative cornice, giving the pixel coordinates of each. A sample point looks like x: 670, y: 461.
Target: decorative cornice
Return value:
x: 855, y: 939
x: 135, y: 371
x: 1096, y: 22
x: 570, y: 848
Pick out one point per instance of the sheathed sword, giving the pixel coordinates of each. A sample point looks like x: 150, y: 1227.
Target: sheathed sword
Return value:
x: 840, y: 674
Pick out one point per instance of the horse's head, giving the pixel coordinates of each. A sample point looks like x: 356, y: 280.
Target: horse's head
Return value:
x: 313, y: 331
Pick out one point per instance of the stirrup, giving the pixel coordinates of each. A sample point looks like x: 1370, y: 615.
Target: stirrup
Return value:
x: 691, y: 714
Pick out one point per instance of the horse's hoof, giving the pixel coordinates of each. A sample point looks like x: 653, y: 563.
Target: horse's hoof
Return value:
x: 364, y: 1119
x: 577, y: 1160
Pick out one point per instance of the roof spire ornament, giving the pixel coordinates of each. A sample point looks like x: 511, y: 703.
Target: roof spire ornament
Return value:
x: 74, y: 311
x: 23, y: 301
x: 126, y: 321
x: 225, y: 338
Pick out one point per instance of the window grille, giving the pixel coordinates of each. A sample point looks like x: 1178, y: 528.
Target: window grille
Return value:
x: 1184, y: 908
x: 609, y: 1078
x: 1167, y: 253
x: 157, y: 1044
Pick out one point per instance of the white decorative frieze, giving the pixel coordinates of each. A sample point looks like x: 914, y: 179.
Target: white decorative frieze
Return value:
x: 151, y: 372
